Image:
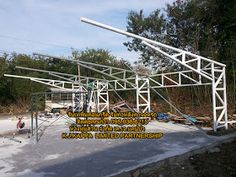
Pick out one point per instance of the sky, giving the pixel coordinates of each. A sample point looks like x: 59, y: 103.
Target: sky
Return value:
x: 53, y: 27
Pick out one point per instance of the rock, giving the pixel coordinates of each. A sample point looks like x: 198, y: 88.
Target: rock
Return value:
x: 214, y: 149
x: 136, y: 173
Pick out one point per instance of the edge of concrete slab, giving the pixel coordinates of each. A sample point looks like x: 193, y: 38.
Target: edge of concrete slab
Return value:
x: 145, y: 169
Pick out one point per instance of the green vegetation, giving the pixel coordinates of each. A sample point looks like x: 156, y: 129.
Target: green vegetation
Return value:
x: 14, y: 91
x: 204, y: 27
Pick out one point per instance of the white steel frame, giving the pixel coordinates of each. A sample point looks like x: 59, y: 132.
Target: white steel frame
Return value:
x: 206, y: 69
x: 196, y: 70
x: 102, y: 96
x: 142, y: 94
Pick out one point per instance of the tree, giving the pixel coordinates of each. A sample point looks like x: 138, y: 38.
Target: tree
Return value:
x: 204, y: 27
x: 16, y: 91
x: 152, y: 27
x: 98, y: 56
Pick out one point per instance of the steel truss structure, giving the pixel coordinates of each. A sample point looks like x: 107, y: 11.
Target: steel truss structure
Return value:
x: 195, y: 70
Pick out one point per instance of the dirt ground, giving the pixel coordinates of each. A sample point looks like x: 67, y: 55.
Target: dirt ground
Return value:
x: 217, y: 162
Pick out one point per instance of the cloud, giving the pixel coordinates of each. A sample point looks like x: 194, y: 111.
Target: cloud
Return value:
x: 57, y: 22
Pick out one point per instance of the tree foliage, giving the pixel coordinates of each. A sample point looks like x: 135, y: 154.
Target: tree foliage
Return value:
x: 204, y: 27
x: 13, y: 90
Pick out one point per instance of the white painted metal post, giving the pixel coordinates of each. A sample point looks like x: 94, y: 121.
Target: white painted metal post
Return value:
x: 219, y: 97
x: 137, y: 93
x: 102, y: 96
x: 225, y: 100
x: 213, y: 98
x: 73, y: 99
x: 142, y: 94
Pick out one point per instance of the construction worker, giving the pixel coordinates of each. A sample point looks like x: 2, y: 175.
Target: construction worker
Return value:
x: 89, y: 88
x: 20, y: 124
x: 90, y: 84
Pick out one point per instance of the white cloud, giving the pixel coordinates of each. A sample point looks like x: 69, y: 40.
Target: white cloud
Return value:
x: 57, y: 22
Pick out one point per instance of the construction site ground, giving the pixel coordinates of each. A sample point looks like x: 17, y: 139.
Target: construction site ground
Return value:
x: 175, y: 154
x: 215, y: 162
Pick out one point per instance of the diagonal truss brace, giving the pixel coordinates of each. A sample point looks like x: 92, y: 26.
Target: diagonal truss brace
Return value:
x: 64, y: 85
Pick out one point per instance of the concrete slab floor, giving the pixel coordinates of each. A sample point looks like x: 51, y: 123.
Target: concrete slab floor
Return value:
x: 53, y: 156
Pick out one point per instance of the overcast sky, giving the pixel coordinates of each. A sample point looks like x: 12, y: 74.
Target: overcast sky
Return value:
x: 53, y: 26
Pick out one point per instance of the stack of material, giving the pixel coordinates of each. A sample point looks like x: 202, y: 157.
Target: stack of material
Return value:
x: 163, y: 117
x: 117, y: 105
x: 232, y: 118
x: 203, y: 121
x: 121, y: 106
